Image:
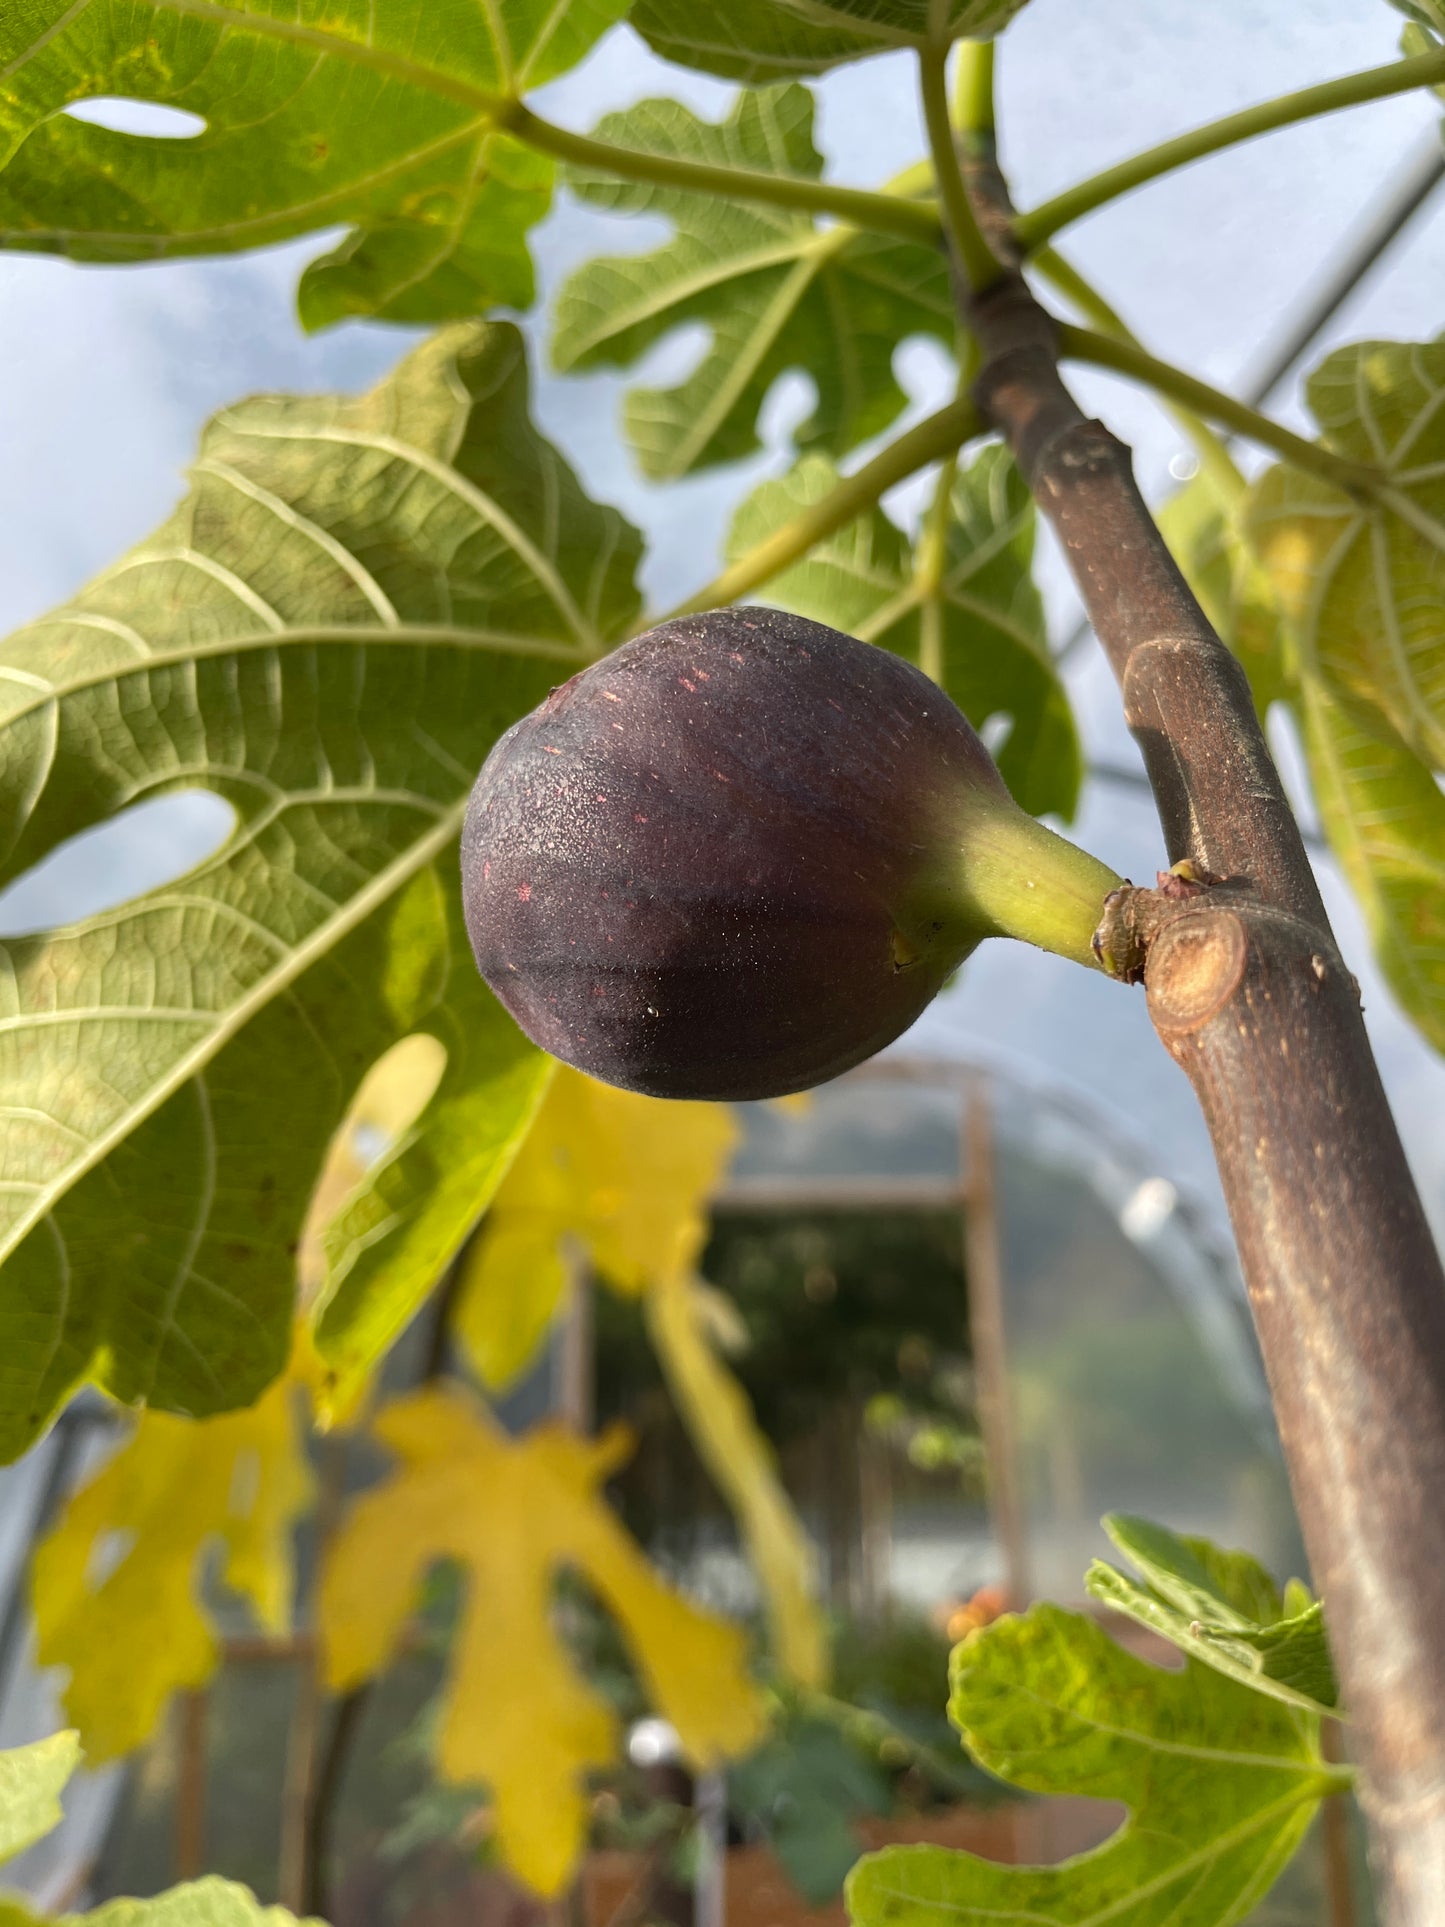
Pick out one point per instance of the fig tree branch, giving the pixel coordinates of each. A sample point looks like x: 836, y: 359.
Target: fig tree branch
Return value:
x: 1249, y: 994
x: 938, y: 435
x: 1350, y: 90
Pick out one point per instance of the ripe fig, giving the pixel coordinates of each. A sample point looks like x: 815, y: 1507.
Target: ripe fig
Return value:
x: 742, y: 853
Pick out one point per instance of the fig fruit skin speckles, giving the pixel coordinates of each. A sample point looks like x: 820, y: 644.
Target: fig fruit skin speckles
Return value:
x: 720, y: 862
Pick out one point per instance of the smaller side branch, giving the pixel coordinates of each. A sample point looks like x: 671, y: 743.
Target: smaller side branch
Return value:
x: 933, y: 438
x: 1350, y: 90
x: 910, y: 220
x: 1128, y: 358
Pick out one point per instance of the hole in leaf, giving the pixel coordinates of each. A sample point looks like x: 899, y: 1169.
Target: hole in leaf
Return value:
x: 388, y: 1101
x: 149, y: 118
x: 995, y: 732
x: 134, y: 852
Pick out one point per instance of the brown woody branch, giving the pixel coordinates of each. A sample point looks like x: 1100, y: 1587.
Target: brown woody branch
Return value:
x: 1248, y: 992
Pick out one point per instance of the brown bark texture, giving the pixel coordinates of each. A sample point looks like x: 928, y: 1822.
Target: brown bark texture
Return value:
x: 1249, y: 995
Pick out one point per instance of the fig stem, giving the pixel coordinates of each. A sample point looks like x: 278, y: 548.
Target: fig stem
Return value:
x: 1024, y: 880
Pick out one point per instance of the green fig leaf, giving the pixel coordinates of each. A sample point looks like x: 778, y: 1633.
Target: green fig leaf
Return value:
x: 1220, y: 1783
x: 1222, y: 1608
x: 1362, y: 582
x: 992, y: 644
x: 762, y: 40
x: 776, y: 290
x: 355, y: 599
x: 1384, y: 815
x: 379, y: 116
x: 1233, y: 589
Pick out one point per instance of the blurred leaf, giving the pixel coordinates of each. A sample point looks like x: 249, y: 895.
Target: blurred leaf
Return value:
x: 32, y: 1779
x: 776, y: 291
x: 761, y: 40
x: 1384, y: 814
x: 720, y: 1422
x: 1232, y: 588
x: 199, y: 1903
x: 519, y: 1717
x: 117, y: 1582
x: 1362, y: 583
x: 1221, y: 1784
x: 627, y: 1177
x: 805, y: 1787
x: 994, y: 647
x: 1219, y: 1607
x: 355, y: 599
x: 376, y: 115
x: 1424, y: 30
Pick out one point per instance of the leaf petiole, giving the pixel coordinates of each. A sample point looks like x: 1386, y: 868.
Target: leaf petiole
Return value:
x: 1350, y: 90
x: 938, y: 435
x: 910, y: 220
x: 1128, y: 358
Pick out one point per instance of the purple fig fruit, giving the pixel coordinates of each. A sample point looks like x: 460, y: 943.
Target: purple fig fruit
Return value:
x: 741, y: 854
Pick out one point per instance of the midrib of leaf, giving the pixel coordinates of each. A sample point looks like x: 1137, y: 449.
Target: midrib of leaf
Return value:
x: 393, y: 66
x: 1356, y: 827
x: 818, y: 14
x: 731, y: 268
x: 811, y: 262
x: 413, y: 634
x: 44, y: 39
x: 324, y: 540
x: 321, y: 940
x: 1208, y: 1755
x: 543, y: 571
x: 1390, y: 630
x: 770, y: 326
x: 1417, y: 426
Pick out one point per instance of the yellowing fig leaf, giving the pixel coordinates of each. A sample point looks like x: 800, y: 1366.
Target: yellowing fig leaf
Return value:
x: 627, y: 1177
x: 721, y: 1424
x: 514, y: 1513
x: 133, y: 1631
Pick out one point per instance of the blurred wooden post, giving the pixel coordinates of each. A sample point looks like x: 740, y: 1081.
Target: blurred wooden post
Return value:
x: 191, y: 1709
x: 990, y: 1351
x: 574, y: 1390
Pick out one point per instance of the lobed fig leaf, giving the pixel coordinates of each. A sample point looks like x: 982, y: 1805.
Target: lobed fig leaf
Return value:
x: 743, y: 852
